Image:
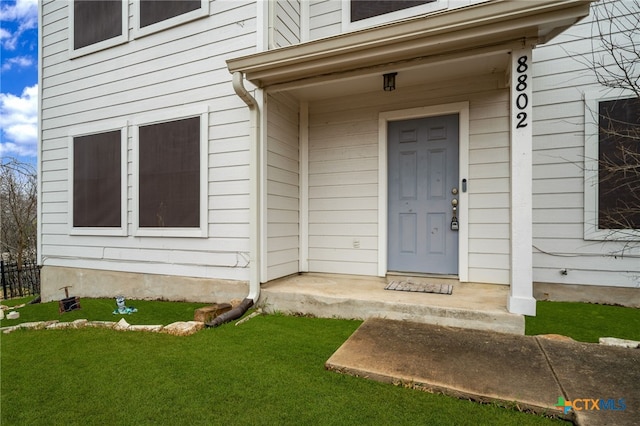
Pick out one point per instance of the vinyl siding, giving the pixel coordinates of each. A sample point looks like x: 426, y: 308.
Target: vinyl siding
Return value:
x: 283, y: 189
x: 287, y: 23
x: 173, y: 68
x: 561, y: 78
x: 343, y: 176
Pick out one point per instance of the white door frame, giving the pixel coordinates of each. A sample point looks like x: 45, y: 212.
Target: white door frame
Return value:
x: 460, y: 108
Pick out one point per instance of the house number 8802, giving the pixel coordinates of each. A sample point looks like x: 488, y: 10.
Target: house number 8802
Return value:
x: 522, y: 100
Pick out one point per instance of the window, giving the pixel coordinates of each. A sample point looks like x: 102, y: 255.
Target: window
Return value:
x: 153, y: 11
x: 97, y: 24
x: 98, y: 182
x: 363, y: 9
x: 357, y: 14
x: 157, y: 15
x: 612, y: 168
x: 619, y: 164
x: 171, y: 176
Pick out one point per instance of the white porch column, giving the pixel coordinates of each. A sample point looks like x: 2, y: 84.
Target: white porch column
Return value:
x: 521, y: 299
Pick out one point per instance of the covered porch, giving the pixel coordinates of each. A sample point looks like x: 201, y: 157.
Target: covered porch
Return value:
x: 327, y: 170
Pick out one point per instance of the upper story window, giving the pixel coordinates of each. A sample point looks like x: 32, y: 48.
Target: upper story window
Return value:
x: 153, y: 11
x: 97, y: 24
x: 357, y: 14
x: 363, y: 9
x: 157, y: 15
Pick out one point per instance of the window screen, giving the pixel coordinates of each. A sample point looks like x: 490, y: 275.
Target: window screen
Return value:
x: 363, y: 9
x: 95, y: 21
x: 97, y: 180
x: 154, y: 11
x: 169, y: 156
x: 619, y: 164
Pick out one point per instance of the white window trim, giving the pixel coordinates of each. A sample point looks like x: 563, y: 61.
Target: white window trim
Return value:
x: 591, y: 140
x: 105, y: 44
x: 386, y: 18
x: 165, y: 115
x: 92, y: 129
x: 460, y: 108
x: 167, y: 23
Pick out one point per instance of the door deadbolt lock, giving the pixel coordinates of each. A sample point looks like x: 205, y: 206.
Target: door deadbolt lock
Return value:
x: 454, y: 191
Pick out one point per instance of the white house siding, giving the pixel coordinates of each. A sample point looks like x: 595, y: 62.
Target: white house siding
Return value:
x: 282, y: 189
x: 176, y: 67
x: 559, y: 182
x: 343, y: 176
x: 287, y: 23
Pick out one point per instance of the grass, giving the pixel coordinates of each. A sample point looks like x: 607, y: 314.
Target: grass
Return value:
x: 584, y: 322
x: 149, y: 311
x: 270, y: 370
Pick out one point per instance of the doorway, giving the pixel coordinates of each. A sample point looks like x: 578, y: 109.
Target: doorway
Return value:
x: 423, y: 195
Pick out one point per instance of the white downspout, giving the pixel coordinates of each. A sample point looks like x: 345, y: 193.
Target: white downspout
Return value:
x: 254, y: 179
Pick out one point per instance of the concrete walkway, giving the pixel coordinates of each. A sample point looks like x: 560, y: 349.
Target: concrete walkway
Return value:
x: 532, y: 372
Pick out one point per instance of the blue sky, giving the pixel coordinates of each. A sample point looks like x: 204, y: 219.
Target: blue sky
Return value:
x: 19, y: 79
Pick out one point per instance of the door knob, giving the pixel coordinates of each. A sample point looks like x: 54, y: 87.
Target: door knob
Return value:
x: 454, y: 202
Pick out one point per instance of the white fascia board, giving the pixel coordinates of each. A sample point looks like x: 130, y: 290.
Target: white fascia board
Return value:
x: 475, y: 26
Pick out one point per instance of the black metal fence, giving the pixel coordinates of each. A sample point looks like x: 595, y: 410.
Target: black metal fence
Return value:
x: 20, y: 282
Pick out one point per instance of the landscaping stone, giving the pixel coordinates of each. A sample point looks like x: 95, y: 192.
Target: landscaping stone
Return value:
x: 59, y: 325
x: 13, y: 315
x: 151, y: 328
x: 183, y: 328
x: 10, y: 329
x: 37, y: 325
x: 558, y: 337
x: 79, y: 323
x: 623, y: 343
x: 101, y: 324
x: 208, y: 313
x: 122, y: 325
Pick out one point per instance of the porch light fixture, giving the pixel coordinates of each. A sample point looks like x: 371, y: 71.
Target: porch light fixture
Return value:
x: 389, y: 81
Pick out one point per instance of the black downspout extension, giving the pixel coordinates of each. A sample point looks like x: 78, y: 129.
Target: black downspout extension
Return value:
x: 234, y: 313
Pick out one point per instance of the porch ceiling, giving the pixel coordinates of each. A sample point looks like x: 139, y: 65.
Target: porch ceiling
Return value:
x: 477, y: 36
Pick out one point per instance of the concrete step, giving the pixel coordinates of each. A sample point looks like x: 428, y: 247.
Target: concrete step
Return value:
x: 357, y: 298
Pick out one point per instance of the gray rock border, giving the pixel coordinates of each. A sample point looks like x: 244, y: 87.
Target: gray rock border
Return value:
x: 179, y: 328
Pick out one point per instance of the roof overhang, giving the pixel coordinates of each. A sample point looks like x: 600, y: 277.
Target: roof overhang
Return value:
x: 483, y: 26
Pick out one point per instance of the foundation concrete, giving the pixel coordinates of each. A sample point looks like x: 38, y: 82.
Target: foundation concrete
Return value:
x: 623, y: 296
x: 101, y: 283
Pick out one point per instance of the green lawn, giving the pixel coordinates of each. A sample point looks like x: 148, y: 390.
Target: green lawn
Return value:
x: 269, y: 370
x: 149, y: 311
x: 584, y: 322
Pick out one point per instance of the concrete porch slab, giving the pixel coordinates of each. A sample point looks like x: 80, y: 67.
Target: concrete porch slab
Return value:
x: 471, y: 305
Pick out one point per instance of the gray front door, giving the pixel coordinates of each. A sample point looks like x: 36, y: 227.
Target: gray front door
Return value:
x: 423, y: 176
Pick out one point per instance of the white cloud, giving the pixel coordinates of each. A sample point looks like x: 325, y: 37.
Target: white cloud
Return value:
x: 19, y: 122
x: 19, y: 61
x: 25, y: 14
